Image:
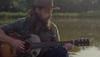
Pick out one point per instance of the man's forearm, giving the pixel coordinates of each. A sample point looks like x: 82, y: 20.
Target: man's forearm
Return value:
x: 4, y: 37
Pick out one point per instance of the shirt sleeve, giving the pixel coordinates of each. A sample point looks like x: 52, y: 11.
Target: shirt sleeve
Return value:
x: 9, y: 28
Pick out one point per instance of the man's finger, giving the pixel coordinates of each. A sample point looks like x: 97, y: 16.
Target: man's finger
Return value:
x: 22, y: 46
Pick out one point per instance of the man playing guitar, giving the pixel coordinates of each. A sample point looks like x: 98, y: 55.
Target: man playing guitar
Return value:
x: 37, y: 22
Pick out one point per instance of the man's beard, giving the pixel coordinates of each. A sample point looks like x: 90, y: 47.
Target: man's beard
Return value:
x: 45, y: 20
x: 36, y: 20
x: 42, y: 20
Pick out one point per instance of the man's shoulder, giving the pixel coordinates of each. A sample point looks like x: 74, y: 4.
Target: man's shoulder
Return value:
x: 14, y: 24
x: 21, y: 19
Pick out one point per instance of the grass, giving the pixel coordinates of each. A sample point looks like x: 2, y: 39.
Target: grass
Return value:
x: 76, y: 28
x: 12, y: 14
x: 89, y: 14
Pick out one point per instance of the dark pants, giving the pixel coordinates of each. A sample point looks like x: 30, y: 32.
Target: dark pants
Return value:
x: 56, y: 52
x: 52, y: 52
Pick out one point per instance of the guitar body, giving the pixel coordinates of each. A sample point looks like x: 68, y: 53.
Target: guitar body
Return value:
x: 6, y: 49
x: 33, y: 46
x: 33, y: 39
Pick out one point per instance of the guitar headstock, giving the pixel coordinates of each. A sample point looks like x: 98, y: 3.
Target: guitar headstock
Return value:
x: 81, y: 42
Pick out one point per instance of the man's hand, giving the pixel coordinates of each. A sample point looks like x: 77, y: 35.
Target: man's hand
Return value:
x: 68, y: 46
x: 18, y: 44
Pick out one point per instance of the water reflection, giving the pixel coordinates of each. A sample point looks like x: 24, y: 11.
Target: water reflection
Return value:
x: 88, y: 52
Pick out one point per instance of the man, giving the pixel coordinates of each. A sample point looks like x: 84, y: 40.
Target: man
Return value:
x: 37, y: 22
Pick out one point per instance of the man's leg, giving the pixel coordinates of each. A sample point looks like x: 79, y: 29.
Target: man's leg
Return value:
x: 56, y: 52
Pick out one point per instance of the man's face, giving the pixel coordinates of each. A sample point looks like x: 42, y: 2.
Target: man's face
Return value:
x: 45, y: 13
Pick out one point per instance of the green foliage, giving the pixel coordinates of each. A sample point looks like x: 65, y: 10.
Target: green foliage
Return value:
x: 65, y: 5
x: 90, y: 14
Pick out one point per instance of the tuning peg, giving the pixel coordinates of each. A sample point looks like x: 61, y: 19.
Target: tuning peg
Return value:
x: 87, y: 42
x: 76, y: 42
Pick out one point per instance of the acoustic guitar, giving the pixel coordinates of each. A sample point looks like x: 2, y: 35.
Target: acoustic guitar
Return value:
x: 33, y: 46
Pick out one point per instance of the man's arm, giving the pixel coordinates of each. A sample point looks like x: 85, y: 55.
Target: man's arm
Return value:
x: 5, y: 30
x: 4, y: 37
x: 18, y: 44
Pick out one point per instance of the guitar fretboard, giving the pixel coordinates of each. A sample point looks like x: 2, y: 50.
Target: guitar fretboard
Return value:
x: 84, y: 42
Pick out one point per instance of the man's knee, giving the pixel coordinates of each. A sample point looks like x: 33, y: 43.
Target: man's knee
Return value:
x: 56, y: 52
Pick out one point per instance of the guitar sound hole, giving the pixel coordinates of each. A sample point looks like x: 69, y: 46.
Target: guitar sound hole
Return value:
x: 27, y: 45
x: 35, y: 53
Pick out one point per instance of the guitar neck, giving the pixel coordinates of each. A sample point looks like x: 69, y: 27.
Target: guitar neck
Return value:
x: 55, y: 44
x: 46, y: 44
x: 32, y: 44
